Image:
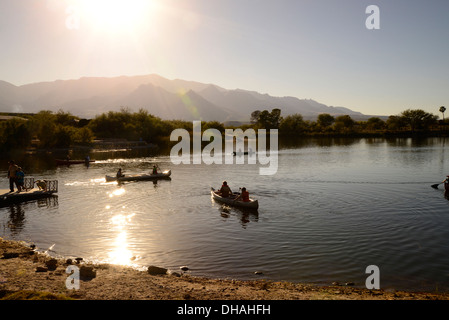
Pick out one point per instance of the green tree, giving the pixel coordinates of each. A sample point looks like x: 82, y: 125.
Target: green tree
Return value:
x: 65, y: 118
x: 344, y: 124
x: 213, y: 125
x: 14, y: 134
x: 418, y: 119
x: 293, y: 124
x: 43, y: 127
x: 325, y: 120
x: 63, y: 136
x: 83, y: 136
x: 266, y: 119
x: 109, y: 125
x: 255, y: 116
x: 375, y: 123
x: 395, y: 123
x: 275, y: 118
x: 133, y: 126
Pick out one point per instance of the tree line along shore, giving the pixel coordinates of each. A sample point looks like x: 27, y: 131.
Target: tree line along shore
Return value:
x: 48, y: 129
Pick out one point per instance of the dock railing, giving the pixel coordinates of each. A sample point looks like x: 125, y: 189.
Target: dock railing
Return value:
x: 28, y: 183
x: 47, y: 185
x: 52, y: 185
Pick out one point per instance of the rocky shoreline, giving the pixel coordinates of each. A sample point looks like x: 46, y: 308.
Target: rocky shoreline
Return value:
x: 26, y: 274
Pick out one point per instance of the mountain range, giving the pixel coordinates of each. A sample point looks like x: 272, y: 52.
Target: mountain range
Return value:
x: 167, y: 99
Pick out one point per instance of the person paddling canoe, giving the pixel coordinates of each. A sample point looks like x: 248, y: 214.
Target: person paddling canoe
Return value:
x: 119, y: 173
x: 244, y: 196
x: 225, y: 191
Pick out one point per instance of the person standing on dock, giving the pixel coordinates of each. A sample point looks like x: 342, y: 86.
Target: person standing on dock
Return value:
x: 20, y: 179
x: 12, y: 175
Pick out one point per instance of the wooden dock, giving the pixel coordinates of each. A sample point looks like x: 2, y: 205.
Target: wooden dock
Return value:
x: 7, y: 197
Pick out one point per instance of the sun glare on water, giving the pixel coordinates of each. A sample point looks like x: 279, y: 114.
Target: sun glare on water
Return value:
x: 117, y: 15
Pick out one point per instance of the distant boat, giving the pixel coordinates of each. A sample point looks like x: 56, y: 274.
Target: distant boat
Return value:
x: 241, y: 153
x: 141, y: 177
x: 61, y: 162
x: 252, y: 204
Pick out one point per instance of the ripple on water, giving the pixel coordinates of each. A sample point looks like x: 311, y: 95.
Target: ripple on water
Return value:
x: 325, y: 216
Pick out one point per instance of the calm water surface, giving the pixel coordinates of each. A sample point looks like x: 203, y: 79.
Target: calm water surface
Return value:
x: 333, y: 208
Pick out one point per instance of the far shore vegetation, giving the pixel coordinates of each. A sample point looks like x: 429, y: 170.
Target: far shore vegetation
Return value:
x: 49, y: 130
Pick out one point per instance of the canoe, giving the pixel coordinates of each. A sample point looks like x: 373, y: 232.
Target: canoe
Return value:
x: 252, y: 204
x: 61, y: 162
x: 141, y: 177
x: 241, y: 153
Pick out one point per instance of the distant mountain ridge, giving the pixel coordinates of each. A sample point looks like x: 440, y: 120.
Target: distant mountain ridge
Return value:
x: 168, y: 99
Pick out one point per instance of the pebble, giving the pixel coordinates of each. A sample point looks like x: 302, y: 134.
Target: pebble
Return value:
x: 87, y: 272
x: 184, y: 268
x: 51, y: 264
x: 153, y: 270
x: 186, y: 296
x: 41, y: 269
x: 10, y: 255
x: 258, y: 272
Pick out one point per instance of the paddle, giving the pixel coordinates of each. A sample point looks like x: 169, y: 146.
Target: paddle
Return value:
x: 435, y: 186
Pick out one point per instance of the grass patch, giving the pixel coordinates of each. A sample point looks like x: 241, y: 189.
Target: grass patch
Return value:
x: 31, y: 295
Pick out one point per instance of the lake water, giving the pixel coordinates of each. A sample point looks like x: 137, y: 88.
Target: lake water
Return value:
x: 334, y: 207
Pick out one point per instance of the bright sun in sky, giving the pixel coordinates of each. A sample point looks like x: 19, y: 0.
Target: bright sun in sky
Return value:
x: 116, y: 15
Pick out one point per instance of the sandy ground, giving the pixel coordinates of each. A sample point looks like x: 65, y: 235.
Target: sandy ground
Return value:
x: 22, y: 270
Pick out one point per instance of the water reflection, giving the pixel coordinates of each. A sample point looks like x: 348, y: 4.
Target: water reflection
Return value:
x: 120, y: 254
x: 154, y: 181
x: 414, y: 142
x: 44, y: 161
x: 117, y: 192
x: 16, y: 220
x: 121, y: 220
x: 49, y: 202
x: 244, y: 216
x: 307, y: 142
x: 16, y: 213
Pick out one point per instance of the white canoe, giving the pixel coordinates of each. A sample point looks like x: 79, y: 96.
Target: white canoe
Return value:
x: 139, y: 177
x: 252, y: 204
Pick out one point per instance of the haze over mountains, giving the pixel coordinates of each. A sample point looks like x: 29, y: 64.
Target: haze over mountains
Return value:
x: 167, y: 99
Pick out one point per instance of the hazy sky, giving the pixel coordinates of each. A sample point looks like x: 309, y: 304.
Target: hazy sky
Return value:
x: 318, y: 49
